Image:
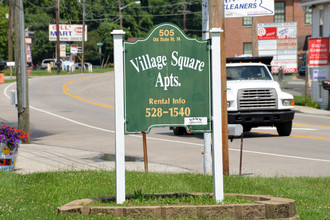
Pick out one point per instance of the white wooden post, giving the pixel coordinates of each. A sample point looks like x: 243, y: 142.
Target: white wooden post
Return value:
x: 119, y: 114
x: 216, y: 109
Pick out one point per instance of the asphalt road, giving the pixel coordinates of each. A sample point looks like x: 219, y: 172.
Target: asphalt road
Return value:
x: 77, y: 112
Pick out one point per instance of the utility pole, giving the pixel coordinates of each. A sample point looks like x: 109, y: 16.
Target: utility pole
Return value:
x: 10, y: 30
x: 217, y: 20
x: 20, y: 64
x: 254, y: 37
x: 83, y: 39
x: 58, y: 35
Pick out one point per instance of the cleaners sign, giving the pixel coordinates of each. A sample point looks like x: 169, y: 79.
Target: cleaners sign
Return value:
x: 248, y: 8
x: 67, y: 32
x: 167, y: 81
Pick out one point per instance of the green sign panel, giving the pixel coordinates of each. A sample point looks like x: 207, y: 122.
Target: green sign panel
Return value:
x: 167, y: 81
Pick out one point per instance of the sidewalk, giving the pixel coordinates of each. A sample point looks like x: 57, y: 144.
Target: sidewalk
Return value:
x: 42, y: 158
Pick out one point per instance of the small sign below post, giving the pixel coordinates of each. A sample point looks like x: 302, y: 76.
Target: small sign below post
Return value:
x: 10, y: 64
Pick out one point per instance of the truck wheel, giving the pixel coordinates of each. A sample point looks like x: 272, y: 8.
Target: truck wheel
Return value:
x: 284, y: 129
x: 179, y: 130
x: 247, y: 128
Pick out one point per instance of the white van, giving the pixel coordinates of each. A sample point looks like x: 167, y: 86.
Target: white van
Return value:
x: 45, y: 62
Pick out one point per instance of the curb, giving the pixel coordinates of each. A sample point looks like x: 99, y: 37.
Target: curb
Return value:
x: 310, y: 110
x: 262, y: 207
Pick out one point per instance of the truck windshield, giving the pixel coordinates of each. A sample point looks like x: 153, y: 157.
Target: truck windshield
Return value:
x: 247, y: 73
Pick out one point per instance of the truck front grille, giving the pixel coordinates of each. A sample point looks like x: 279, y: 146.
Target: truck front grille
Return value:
x: 252, y: 99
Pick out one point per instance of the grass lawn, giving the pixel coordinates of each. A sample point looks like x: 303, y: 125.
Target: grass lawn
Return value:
x: 36, y: 196
x: 54, y: 72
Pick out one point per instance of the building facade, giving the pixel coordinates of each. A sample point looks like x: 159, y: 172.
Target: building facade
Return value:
x: 241, y: 33
x: 320, y: 30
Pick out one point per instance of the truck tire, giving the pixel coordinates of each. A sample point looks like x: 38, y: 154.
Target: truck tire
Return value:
x: 179, y: 130
x: 247, y: 128
x: 284, y: 129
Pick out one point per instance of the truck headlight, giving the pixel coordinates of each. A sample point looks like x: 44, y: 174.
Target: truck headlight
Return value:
x: 228, y: 104
x: 287, y: 102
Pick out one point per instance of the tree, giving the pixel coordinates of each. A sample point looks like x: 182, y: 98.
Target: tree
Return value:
x: 3, y: 32
x: 102, y: 17
x: 106, y: 37
x: 91, y: 47
x: 41, y: 47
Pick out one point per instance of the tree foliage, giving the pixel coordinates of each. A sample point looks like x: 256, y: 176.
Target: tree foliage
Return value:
x: 3, y: 32
x: 102, y: 16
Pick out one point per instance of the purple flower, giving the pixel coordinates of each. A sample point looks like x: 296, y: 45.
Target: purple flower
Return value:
x: 9, y: 137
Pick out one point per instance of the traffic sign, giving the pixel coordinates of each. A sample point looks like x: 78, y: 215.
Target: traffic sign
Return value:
x: 167, y: 81
x: 99, y: 44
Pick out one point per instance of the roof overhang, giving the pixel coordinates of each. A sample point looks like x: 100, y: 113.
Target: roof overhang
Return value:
x: 313, y: 2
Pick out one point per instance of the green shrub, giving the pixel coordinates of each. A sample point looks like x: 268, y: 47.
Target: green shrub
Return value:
x: 300, y: 100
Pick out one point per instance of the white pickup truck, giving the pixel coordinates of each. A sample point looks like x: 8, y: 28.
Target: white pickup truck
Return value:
x: 254, y: 99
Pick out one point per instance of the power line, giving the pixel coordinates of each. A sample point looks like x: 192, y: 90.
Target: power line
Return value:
x: 114, y: 7
x: 148, y: 7
x: 140, y: 27
x: 47, y: 8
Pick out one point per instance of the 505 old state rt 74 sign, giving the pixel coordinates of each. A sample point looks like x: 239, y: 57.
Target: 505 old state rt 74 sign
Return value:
x: 167, y: 81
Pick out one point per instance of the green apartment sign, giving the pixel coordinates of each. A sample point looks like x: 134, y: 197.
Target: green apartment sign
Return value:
x: 167, y: 82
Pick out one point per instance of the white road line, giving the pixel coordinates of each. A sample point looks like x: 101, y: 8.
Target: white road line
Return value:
x: 297, y: 129
x: 282, y: 155
x: 167, y: 140
x: 61, y: 117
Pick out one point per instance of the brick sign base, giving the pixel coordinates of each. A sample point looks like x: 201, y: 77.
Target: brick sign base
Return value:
x: 263, y: 207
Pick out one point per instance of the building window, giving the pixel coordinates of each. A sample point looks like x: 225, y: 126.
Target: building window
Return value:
x: 308, y: 15
x: 247, y: 48
x: 279, y: 12
x: 247, y: 21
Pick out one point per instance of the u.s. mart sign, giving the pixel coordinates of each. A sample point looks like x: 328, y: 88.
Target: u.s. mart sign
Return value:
x: 67, y: 32
x: 167, y: 81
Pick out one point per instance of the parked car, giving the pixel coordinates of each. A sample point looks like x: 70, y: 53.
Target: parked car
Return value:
x: 78, y: 65
x: 302, y: 65
x: 302, y: 70
x: 45, y: 62
x: 3, y: 64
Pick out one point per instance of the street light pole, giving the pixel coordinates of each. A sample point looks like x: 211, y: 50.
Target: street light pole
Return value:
x: 120, y: 18
x: 121, y: 8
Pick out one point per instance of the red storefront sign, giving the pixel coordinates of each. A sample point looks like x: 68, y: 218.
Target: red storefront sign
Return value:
x: 267, y: 33
x: 318, y: 49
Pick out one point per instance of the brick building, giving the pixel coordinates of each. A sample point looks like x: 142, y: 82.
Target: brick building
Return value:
x: 239, y: 37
